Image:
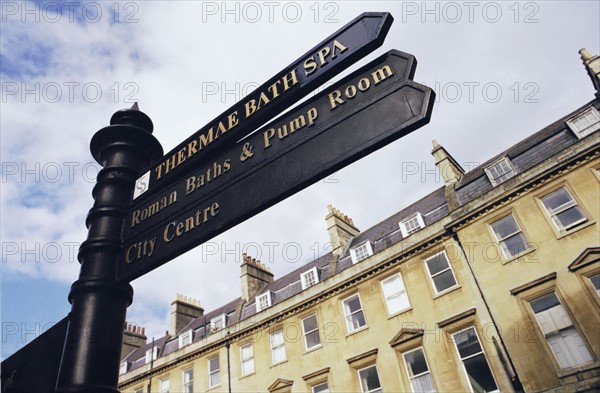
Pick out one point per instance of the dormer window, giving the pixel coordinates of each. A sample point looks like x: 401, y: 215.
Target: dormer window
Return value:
x: 585, y: 122
x: 151, y: 354
x: 263, y: 301
x: 217, y: 323
x: 500, y: 171
x: 185, y: 338
x: 124, y: 368
x: 411, y: 224
x: 309, y: 278
x: 360, y: 252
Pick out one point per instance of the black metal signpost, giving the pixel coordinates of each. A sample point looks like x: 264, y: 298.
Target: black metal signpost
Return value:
x: 224, y: 174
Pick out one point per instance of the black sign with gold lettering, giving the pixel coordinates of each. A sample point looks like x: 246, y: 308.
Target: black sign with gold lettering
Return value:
x: 334, y: 54
x: 368, y: 109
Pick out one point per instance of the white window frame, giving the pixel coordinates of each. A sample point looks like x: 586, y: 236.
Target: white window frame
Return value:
x: 379, y: 390
x: 314, y: 388
x: 305, y: 278
x: 183, y: 337
x: 552, y: 213
x: 402, y: 292
x: 505, y: 250
x: 124, y: 368
x: 151, y: 354
x: 267, y: 296
x: 349, y: 328
x: 466, y: 375
x: 495, y: 166
x: 576, y: 123
x: 214, y: 372
x: 428, y: 372
x: 161, y: 385
x: 435, y: 289
x: 404, y: 224
x: 214, y: 325
x: 306, y: 333
x: 140, y: 390
x: 188, y: 387
x: 356, y: 252
x: 249, y: 360
x: 277, y: 346
x: 562, y: 322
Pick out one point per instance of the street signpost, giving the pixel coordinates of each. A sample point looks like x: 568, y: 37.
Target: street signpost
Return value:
x: 334, y: 54
x: 225, y: 173
x: 359, y: 114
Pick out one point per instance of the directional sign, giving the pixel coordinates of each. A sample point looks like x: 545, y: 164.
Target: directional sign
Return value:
x: 358, y: 115
x: 334, y: 54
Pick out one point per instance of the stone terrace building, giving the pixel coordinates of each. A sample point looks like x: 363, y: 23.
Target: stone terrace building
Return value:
x: 490, y: 283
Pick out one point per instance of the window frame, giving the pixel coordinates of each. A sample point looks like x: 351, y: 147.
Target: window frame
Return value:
x: 305, y: 282
x: 258, y: 298
x: 215, y: 319
x: 313, y: 387
x: 420, y: 375
x: 583, y: 132
x: 124, y: 367
x: 250, y: 359
x: 500, y: 161
x: 151, y: 354
x: 358, y: 371
x: 396, y: 294
x: 212, y: 372
x: 366, y: 324
x: 305, y: 333
x: 548, y: 215
x: 357, y: 258
x: 273, y: 346
x: 186, y: 385
x: 161, y: 387
x: 188, y: 333
x: 461, y: 359
x: 506, y: 257
x: 435, y: 289
x: 407, y: 232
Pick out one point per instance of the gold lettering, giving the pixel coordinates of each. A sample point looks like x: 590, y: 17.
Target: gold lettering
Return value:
x: 192, y: 148
x: 181, y: 156
x: 297, y: 123
x: 273, y: 89
x: 166, y: 236
x: 382, y: 73
x: 310, y: 66
x: 290, y: 78
x: 363, y: 84
x: 250, y: 107
x: 312, y: 116
x: 206, y: 139
x: 267, y: 135
x: 233, y: 120
x: 323, y: 54
x: 350, y: 92
x: 334, y: 99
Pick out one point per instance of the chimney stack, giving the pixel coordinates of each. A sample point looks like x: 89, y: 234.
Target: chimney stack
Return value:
x: 184, y: 310
x: 592, y: 66
x: 254, y: 277
x: 341, y: 230
x: 134, y: 337
x: 450, y: 170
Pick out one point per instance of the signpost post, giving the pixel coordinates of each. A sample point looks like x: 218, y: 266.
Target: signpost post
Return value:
x: 223, y: 174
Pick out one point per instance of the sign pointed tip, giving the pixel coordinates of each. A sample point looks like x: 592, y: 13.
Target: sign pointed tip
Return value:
x: 135, y: 106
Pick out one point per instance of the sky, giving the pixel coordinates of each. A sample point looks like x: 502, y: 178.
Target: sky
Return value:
x: 501, y: 70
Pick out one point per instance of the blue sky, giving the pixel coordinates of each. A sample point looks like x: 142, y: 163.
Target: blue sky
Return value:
x: 502, y: 70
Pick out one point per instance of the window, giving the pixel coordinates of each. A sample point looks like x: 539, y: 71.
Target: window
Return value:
x: 411, y: 224
x: 217, y: 323
x: 474, y: 363
x: 124, y: 367
x: 277, y: 346
x: 355, y: 319
x: 563, y: 209
x: 310, y: 329
x: 595, y: 279
x: 263, y: 301
x: 440, y: 272
x: 247, y: 359
x: 164, y: 386
x: 500, y: 171
x: 140, y: 390
x: 321, y: 388
x: 585, y: 122
x: 361, y: 252
x: 214, y: 372
x: 509, y: 236
x: 562, y: 337
x: 309, y: 278
x: 185, y: 339
x: 418, y: 371
x: 395, y: 295
x: 188, y: 381
x: 151, y: 354
x: 369, y: 380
